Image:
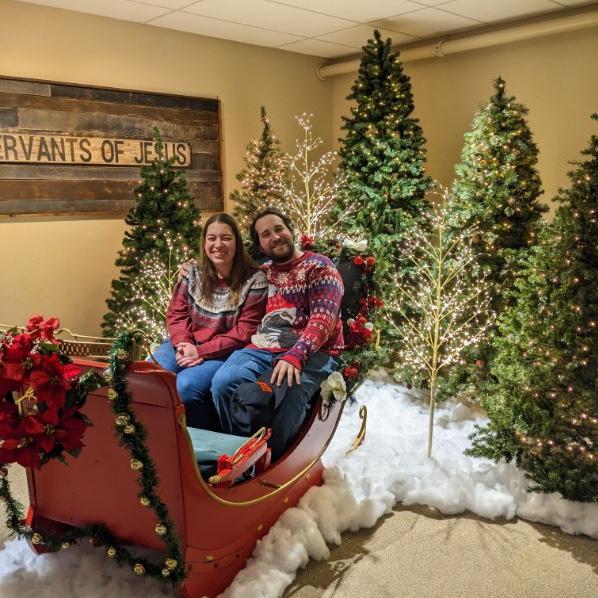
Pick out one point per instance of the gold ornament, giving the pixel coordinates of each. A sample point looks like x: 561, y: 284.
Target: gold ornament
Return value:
x: 145, y: 501
x: 165, y: 572
x: 171, y: 564
x: 108, y: 377
x: 136, y: 464
x: 36, y: 539
x: 160, y: 529
x: 111, y: 394
x: 130, y: 429
x: 111, y: 552
x: 139, y: 569
x: 3, y: 472
x: 122, y: 354
x: 65, y: 545
x: 122, y: 420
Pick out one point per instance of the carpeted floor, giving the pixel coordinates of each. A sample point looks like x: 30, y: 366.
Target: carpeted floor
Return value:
x: 417, y: 552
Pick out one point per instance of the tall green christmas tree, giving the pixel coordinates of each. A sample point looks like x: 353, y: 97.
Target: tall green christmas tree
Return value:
x: 164, y: 221
x: 383, y: 158
x: 260, y: 178
x: 496, y: 190
x: 542, y: 399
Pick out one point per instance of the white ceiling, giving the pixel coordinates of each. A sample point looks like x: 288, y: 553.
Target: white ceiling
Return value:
x: 325, y: 28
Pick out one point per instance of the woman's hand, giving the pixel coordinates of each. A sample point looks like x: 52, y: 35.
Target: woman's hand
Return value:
x: 184, y: 269
x: 186, y: 355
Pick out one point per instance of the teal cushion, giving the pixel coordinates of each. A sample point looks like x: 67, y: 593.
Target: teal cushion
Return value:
x: 208, y: 446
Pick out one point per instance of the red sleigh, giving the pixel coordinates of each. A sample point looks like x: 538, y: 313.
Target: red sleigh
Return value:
x: 217, y: 526
x: 217, y: 521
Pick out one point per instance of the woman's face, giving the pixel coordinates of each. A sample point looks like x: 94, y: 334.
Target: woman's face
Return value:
x: 220, y: 244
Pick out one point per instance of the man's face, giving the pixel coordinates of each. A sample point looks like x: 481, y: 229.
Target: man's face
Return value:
x: 276, y: 240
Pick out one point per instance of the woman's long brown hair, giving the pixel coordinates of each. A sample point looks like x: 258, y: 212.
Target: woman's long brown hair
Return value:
x: 243, y: 266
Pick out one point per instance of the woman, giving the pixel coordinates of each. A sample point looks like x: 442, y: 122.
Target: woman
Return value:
x: 215, y: 309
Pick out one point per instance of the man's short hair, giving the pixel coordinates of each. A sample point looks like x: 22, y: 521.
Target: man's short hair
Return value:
x: 267, y: 212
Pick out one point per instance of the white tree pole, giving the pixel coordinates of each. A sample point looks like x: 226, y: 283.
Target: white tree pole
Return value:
x: 444, y: 308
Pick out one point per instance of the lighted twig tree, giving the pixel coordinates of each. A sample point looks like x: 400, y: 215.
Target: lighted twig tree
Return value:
x: 444, y: 309
x: 312, y: 190
x: 146, y: 307
x: 260, y: 179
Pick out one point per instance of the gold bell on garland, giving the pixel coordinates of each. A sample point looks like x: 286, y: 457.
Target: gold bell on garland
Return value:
x: 139, y: 569
x: 65, y: 545
x: 36, y: 539
x: 122, y: 419
x: 111, y: 552
x: 111, y: 395
x: 136, y: 464
x: 130, y: 429
x: 171, y: 564
x: 165, y: 572
x: 160, y: 529
x: 122, y: 355
x: 145, y: 501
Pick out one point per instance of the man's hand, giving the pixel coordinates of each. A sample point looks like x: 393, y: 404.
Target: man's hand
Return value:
x: 186, y: 355
x: 284, y: 369
x: 184, y: 269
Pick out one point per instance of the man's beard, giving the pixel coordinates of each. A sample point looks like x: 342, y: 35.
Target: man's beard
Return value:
x: 283, y: 257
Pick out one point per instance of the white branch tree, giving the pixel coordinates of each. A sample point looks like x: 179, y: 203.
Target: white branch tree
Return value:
x: 311, y: 190
x: 444, y: 307
x: 149, y: 301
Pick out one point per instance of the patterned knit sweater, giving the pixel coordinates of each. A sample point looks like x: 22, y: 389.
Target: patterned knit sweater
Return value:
x: 303, y: 309
x: 219, y: 327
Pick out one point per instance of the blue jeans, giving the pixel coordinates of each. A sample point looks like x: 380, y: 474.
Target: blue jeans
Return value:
x: 193, y: 386
x: 246, y: 365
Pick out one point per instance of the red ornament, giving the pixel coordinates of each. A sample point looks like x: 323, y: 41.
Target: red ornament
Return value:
x: 358, y: 260
x: 370, y: 261
x: 350, y: 373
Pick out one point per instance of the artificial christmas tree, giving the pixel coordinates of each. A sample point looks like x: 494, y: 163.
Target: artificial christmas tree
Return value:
x: 496, y: 190
x: 164, y: 220
x: 542, y: 399
x: 260, y: 178
x: 383, y: 157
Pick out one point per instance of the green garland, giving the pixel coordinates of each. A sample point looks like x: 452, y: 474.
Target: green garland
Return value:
x: 132, y: 435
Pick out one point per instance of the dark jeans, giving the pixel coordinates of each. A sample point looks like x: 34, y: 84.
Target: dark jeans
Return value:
x: 246, y: 365
x: 193, y: 385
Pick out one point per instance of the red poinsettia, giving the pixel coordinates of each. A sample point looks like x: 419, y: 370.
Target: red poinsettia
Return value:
x: 37, y: 327
x: 307, y: 242
x: 48, y: 380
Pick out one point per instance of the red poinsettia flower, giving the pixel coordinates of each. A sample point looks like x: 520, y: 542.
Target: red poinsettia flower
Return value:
x: 307, y: 242
x: 70, y: 430
x: 18, y: 445
x: 19, y: 348
x: 33, y: 323
x: 47, y: 328
x: 48, y: 380
x: 71, y: 372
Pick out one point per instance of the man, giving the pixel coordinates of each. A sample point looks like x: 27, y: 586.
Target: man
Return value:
x: 300, y: 336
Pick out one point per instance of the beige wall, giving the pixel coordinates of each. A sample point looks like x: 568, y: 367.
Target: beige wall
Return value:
x: 63, y: 267
x: 556, y: 77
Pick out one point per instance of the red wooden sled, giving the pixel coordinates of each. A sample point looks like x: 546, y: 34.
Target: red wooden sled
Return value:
x: 217, y: 526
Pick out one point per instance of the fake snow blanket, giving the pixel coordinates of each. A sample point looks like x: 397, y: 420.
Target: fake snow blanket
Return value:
x: 390, y: 467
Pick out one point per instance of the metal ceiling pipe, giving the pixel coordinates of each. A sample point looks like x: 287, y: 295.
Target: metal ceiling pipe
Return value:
x: 515, y: 33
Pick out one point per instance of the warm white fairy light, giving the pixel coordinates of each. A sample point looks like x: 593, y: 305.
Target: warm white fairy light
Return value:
x: 444, y: 307
x: 311, y: 190
x: 147, y: 306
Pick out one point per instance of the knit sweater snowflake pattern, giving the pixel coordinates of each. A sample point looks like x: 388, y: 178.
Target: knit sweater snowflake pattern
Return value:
x: 219, y: 327
x: 303, y: 309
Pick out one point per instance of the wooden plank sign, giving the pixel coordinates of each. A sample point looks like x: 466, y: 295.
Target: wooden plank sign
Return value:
x: 61, y: 149
x: 73, y: 149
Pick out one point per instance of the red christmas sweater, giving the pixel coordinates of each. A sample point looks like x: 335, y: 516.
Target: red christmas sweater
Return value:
x: 218, y: 327
x: 303, y: 309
